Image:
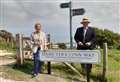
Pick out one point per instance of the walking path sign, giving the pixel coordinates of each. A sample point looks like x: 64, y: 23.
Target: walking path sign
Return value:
x: 76, y: 56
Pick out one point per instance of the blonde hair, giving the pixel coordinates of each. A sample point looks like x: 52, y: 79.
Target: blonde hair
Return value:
x: 37, y: 24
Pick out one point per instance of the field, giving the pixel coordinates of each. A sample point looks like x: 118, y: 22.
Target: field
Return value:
x: 11, y: 71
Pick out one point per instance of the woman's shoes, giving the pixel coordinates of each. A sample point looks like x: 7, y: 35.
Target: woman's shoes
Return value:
x: 34, y: 75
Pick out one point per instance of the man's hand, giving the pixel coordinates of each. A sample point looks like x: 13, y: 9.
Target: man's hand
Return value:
x: 88, y: 43
x: 80, y: 43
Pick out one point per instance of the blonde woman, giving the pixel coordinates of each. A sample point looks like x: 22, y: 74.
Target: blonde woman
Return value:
x: 39, y: 42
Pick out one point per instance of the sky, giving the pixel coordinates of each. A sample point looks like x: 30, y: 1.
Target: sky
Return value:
x: 19, y: 16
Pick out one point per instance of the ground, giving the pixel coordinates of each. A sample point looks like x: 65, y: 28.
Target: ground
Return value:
x: 9, y: 72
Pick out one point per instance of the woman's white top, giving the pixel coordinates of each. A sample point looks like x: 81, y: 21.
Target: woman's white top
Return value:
x: 39, y: 40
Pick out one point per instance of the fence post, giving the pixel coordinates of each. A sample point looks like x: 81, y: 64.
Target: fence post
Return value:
x: 105, y: 58
x: 49, y: 63
x: 19, y: 51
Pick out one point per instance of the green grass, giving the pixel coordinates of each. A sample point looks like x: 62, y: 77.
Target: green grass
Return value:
x: 59, y: 69
x: 7, y: 46
x: 114, y: 66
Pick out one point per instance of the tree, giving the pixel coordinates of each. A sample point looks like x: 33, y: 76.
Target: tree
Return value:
x: 7, y: 36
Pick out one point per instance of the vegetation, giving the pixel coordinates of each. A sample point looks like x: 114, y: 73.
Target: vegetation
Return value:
x: 7, y: 46
x: 113, y: 39
x: 7, y: 36
x: 7, y: 41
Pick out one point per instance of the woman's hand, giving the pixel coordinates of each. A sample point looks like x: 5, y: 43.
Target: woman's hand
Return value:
x: 45, y: 49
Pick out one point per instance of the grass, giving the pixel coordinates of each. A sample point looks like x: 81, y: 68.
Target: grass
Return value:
x: 24, y: 72
x: 12, y: 71
x: 7, y: 46
x: 114, y: 66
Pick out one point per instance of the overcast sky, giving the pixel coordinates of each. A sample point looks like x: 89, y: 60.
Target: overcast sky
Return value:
x: 19, y: 16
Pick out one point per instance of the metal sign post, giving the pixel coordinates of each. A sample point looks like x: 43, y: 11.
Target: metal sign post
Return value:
x: 72, y: 12
x: 69, y: 5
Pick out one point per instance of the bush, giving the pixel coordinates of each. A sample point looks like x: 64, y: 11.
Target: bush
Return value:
x: 107, y: 36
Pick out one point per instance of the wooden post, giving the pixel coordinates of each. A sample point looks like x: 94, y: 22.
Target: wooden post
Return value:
x: 19, y: 45
x: 49, y: 63
x: 105, y: 58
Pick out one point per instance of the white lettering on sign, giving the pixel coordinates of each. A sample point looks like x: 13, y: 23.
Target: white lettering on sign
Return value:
x: 80, y: 56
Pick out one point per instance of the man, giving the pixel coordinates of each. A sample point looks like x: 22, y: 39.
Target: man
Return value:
x: 85, y: 38
x: 39, y: 42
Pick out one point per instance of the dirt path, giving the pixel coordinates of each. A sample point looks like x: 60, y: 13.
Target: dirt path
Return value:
x: 5, y: 52
x: 6, y: 59
x: 8, y: 80
x: 39, y: 78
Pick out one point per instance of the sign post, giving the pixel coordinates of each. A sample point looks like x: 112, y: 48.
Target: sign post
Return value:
x: 72, y: 12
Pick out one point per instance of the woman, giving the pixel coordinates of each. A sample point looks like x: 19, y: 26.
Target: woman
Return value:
x: 39, y: 42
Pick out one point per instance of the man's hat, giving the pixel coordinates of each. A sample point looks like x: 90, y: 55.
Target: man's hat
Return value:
x: 85, y: 20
